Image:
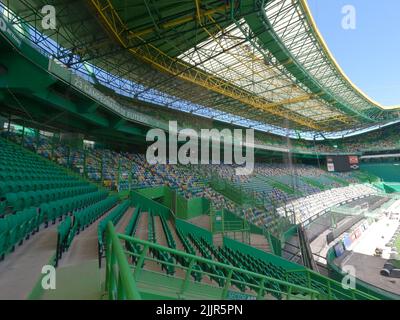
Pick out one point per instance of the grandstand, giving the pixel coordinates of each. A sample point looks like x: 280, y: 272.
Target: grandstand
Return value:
x: 78, y: 194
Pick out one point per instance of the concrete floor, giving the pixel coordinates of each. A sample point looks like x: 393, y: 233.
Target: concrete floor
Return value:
x: 81, y: 281
x: 202, y: 221
x: 123, y: 223
x: 260, y: 242
x: 20, y: 270
x: 142, y: 226
x: 368, y: 269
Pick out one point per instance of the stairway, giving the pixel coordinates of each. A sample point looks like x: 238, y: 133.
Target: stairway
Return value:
x: 78, y: 276
x: 218, y: 239
x: 259, y: 242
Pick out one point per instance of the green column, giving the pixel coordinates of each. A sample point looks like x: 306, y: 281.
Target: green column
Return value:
x: 118, y: 173
x: 130, y: 176
x: 52, y: 148
x: 37, y: 134
x: 23, y: 134
x: 9, y: 126
x: 69, y: 157
x: 84, y: 162
x: 101, y: 168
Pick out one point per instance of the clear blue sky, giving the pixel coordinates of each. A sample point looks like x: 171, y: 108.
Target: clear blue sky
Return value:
x: 369, y: 54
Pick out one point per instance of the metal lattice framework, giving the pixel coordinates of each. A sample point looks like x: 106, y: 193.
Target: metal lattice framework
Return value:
x: 249, y: 62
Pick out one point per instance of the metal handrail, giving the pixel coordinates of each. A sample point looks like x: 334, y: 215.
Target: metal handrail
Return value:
x: 120, y: 283
x: 262, y: 278
x: 352, y: 293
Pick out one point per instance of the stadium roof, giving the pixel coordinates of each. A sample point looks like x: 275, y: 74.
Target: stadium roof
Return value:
x: 250, y: 62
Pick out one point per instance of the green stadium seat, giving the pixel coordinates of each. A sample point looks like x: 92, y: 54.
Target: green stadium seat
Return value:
x: 114, y: 216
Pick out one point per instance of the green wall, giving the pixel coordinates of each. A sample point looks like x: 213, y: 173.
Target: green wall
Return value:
x: 148, y: 204
x: 231, y: 221
x: 392, y: 187
x: 191, y: 208
x: 197, y: 207
x: 182, y: 207
x: 292, y: 231
x: 276, y: 245
x: 388, y: 187
x: 188, y: 227
x: 388, y: 172
x: 143, y: 198
x: 152, y: 193
x: 168, y: 198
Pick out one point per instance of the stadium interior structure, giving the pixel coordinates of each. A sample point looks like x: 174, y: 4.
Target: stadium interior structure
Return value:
x: 77, y: 193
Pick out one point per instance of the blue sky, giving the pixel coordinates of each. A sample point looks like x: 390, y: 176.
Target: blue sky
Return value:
x: 369, y: 54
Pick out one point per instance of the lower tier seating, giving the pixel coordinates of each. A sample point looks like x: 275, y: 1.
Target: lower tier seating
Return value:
x: 82, y: 219
x: 114, y: 216
x: 35, y: 191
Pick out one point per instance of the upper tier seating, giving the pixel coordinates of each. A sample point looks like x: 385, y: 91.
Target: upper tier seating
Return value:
x: 307, y: 207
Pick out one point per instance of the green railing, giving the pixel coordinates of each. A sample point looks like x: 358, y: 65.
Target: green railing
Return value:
x: 334, y: 289
x: 264, y: 285
x: 237, y: 226
x: 229, y: 221
x: 119, y: 284
x: 121, y: 277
